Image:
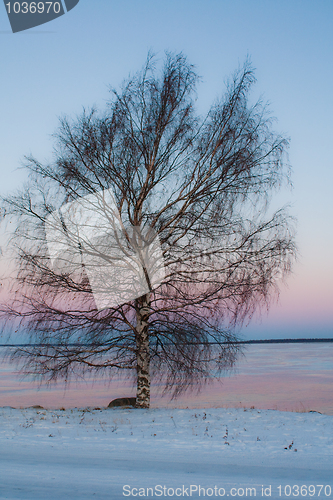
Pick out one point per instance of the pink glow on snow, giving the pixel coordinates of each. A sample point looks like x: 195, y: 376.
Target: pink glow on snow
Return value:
x: 283, y: 377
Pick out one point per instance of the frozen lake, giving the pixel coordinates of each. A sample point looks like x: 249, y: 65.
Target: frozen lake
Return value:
x: 293, y: 377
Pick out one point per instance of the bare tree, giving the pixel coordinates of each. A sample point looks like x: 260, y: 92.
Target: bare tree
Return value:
x: 199, y: 187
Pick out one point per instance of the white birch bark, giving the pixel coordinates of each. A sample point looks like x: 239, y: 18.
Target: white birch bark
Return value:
x: 143, y: 354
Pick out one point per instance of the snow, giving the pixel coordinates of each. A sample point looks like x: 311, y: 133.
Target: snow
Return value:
x: 92, y: 453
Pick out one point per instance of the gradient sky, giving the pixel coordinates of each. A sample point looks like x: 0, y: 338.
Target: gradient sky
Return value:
x: 59, y: 67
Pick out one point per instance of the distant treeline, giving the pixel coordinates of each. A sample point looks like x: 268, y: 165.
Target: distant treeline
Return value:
x: 265, y: 341
x: 282, y: 341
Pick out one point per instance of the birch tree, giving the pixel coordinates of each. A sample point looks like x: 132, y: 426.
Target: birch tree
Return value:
x: 194, y: 189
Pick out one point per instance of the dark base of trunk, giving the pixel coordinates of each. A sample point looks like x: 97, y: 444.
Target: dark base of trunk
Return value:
x: 122, y: 402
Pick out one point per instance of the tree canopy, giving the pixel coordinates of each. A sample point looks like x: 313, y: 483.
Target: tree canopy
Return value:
x: 185, y: 193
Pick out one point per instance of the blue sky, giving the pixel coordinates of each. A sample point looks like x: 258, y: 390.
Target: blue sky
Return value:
x: 59, y: 67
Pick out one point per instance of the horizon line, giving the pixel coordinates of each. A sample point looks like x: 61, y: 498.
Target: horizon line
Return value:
x: 252, y: 341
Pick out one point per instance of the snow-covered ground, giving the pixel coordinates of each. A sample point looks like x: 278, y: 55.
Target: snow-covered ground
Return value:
x: 122, y: 453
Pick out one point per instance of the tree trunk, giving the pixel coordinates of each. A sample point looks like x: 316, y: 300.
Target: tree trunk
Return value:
x: 142, y: 352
